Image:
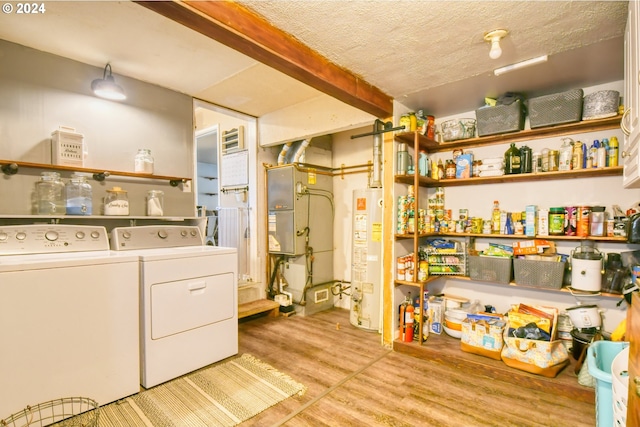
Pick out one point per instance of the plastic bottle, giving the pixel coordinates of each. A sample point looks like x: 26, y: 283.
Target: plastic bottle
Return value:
x: 495, y: 218
x: 601, y: 154
x: 441, y: 172
x: 566, y: 154
x: 512, y: 160
x: 78, y: 196
x: 423, y: 164
x: 593, y: 153
x: 408, y: 319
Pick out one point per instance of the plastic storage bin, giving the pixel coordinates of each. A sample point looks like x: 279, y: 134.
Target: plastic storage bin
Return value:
x: 490, y: 269
x: 600, y: 355
x: 555, y: 109
x: 539, y: 274
x: 500, y: 119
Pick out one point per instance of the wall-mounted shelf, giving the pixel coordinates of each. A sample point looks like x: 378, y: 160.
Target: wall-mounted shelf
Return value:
x: 525, y: 135
x: 522, y: 177
x: 434, y: 278
x: 11, y: 167
x: 515, y: 236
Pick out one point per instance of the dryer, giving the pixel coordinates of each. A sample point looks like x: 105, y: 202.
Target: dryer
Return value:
x: 69, y: 317
x: 188, y: 299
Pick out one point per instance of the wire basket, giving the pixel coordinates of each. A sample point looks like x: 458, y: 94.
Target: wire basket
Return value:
x: 61, y: 412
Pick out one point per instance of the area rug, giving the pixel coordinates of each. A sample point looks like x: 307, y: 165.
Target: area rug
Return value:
x: 222, y: 395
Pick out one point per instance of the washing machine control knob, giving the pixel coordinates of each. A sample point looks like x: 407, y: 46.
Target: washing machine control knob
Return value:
x: 95, y: 234
x: 162, y: 234
x: 80, y: 235
x: 194, y: 233
x: 21, y: 235
x: 51, y: 235
x: 3, y: 236
x: 183, y: 233
x: 126, y: 235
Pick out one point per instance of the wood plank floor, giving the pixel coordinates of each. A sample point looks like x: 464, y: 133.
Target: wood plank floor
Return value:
x: 353, y: 381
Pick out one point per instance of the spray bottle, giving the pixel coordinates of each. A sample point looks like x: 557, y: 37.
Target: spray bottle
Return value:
x: 613, y: 151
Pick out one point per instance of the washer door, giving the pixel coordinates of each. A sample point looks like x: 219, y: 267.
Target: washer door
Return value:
x: 183, y: 305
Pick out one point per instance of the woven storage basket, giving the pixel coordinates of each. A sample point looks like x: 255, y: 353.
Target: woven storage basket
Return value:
x: 500, y: 119
x: 67, y: 411
x: 490, y: 269
x: 555, y: 109
x: 539, y: 274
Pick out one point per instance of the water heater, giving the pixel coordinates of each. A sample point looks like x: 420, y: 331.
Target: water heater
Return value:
x: 366, y: 259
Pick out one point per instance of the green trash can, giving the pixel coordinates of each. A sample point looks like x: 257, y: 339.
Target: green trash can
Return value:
x: 600, y: 355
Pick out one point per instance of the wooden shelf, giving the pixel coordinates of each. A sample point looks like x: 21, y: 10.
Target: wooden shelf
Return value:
x: 433, y: 278
x: 525, y: 135
x: 523, y: 177
x: 98, y: 174
x: 615, y: 239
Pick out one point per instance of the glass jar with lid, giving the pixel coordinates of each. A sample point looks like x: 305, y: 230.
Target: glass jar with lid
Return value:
x: 116, y: 202
x: 78, y: 194
x: 155, y: 203
x: 144, y: 161
x: 50, y: 194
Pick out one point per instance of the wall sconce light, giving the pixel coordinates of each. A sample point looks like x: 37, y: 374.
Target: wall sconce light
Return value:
x: 106, y: 87
x: 494, y: 38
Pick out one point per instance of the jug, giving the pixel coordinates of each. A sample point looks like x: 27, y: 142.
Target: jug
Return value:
x: 50, y: 194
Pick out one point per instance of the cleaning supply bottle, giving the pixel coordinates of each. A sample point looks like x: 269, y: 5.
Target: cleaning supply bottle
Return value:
x: 423, y: 164
x: 593, y: 154
x: 613, y: 151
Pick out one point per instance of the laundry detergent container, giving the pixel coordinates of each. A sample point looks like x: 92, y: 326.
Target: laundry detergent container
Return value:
x: 600, y: 355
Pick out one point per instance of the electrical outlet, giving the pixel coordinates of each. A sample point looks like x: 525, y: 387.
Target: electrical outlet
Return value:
x: 186, y: 186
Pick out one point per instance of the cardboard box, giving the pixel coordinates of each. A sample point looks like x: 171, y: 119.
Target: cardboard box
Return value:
x: 530, y: 221
x: 533, y: 247
x: 464, y: 166
x: 543, y: 222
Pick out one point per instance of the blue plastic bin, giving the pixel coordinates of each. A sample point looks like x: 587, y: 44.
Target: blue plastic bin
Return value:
x: 600, y: 356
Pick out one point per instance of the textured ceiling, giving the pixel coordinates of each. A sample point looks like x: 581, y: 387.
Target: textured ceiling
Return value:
x: 409, y: 48
x: 425, y: 54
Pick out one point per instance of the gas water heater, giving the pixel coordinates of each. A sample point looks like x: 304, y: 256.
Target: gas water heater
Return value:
x: 300, y: 226
x: 366, y: 259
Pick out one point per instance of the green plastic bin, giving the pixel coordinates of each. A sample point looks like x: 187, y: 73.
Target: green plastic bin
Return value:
x: 600, y: 355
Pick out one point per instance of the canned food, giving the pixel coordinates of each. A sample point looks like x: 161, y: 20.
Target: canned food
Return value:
x: 556, y: 221
x: 570, y: 213
x: 582, y: 221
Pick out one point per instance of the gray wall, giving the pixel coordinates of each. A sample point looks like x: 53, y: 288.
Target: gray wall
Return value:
x: 40, y: 92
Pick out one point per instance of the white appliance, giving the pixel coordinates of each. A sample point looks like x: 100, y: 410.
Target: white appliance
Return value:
x: 69, y: 317
x: 188, y: 299
x: 366, y: 259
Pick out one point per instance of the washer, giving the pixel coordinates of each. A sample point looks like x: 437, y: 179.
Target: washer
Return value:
x: 188, y: 299
x: 69, y: 318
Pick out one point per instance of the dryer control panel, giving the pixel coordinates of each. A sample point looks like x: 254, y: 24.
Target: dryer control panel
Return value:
x: 155, y: 236
x: 52, y: 238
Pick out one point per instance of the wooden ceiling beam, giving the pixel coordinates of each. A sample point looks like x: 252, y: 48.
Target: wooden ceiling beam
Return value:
x: 241, y: 29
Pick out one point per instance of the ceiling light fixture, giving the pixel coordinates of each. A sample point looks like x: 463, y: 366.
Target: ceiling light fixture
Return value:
x: 518, y: 65
x: 106, y: 87
x: 494, y: 38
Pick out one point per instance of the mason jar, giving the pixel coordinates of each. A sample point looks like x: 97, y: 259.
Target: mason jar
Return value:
x: 143, y: 161
x: 116, y: 202
x: 50, y: 194
x: 155, y: 203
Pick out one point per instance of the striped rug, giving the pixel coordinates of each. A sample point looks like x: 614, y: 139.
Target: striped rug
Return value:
x: 225, y: 394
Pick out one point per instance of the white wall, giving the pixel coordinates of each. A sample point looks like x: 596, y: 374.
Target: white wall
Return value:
x: 41, y: 92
